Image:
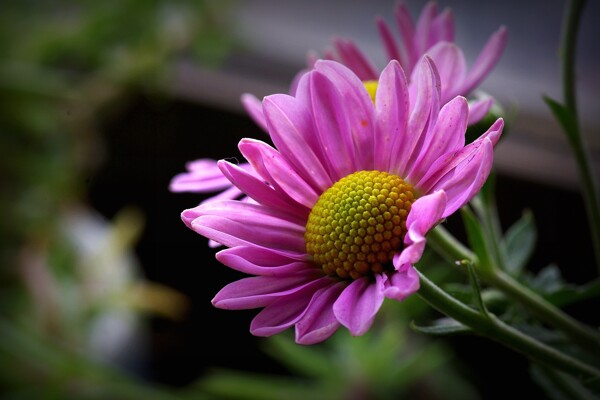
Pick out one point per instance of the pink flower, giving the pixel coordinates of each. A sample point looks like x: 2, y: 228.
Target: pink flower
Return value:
x: 342, y: 204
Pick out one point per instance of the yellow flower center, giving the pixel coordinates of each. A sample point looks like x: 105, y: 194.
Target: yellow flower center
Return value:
x: 371, y: 87
x: 359, y: 223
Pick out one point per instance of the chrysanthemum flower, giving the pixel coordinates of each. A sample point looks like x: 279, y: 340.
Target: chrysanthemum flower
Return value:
x: 341, y: 206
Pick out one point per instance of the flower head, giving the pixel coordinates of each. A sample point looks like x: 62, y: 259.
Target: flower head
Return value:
x: 341, y: 205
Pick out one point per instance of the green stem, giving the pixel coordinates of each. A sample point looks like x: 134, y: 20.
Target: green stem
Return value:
x: 492, y: 328
x: 451, y: 249
x: 568, y: 57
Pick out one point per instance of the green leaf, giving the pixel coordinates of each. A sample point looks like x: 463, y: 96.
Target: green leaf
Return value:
x: 570, y: 294
x: 519, y: 243
x: 564, y: 116
x: 477, y: 240
x: 442, y: 327
x: 474, y: 280
x: 548, y: 280
x: 558, y: 385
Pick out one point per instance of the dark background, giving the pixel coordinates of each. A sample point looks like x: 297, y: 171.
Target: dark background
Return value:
x: 151, y: 139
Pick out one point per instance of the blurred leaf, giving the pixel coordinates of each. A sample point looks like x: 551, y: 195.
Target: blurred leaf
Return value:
x: 519, y: 243
x: 249, y: 386
x: 569, y: 294
x: 560, y: 386
x: 548, y: 280
x: 564, y: 116
x: 550, y: 285
x: 311, y: 361
x: 442, y: 327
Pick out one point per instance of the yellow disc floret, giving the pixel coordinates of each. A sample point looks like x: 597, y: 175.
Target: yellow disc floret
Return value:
x: 371, y: 87
x: 359, y: 223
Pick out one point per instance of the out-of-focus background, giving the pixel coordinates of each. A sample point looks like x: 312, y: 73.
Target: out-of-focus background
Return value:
x: 106, y: 294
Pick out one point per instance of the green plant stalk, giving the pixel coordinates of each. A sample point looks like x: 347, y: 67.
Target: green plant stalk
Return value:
x: 493, y: 328
x: 590, y: 189
x: 451, y: 249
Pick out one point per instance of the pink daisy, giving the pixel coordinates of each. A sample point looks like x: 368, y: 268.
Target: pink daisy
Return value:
x: 341, y: 206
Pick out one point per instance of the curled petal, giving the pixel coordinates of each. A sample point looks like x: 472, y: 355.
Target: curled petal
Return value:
x: 463, y: 173
x: 319, y: 321
x: 286, y: 310
x: 401, y: 284
x: 358, y: 304
x: 424, y: 214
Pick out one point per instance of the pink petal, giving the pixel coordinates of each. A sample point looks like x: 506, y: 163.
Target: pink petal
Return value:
x: 276, y: 170
x: 291, y: 128
x: 319, y: 321
x: 392, y: 114
x: 262, y: 192
x: 401, y: 284
x: 442, y: 28
x: 463, y: 183
x: 332, y: 126
x: 461, y: 173
x: 487, y: 59
x: 451, y: 64
x: 407, y: 37
x: 260, y: 291
x: 478, y: 109
x: 362, y: 114
x: 261, y: 261
x: 389, y: 43
x: 353, y: 58
x: 234, y: 223
x: 424, y: 95
x: 424, y: 214
x: 422, y: 33
x: 448, y: 135
x: 253, y: 107
x: 358, y: 304
x: 203, y: 176
x: 286, y: 311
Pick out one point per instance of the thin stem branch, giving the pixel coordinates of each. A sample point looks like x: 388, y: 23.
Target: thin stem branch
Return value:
x: 589, y: 183
x: 452, y: 250
x: 498, y: 331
